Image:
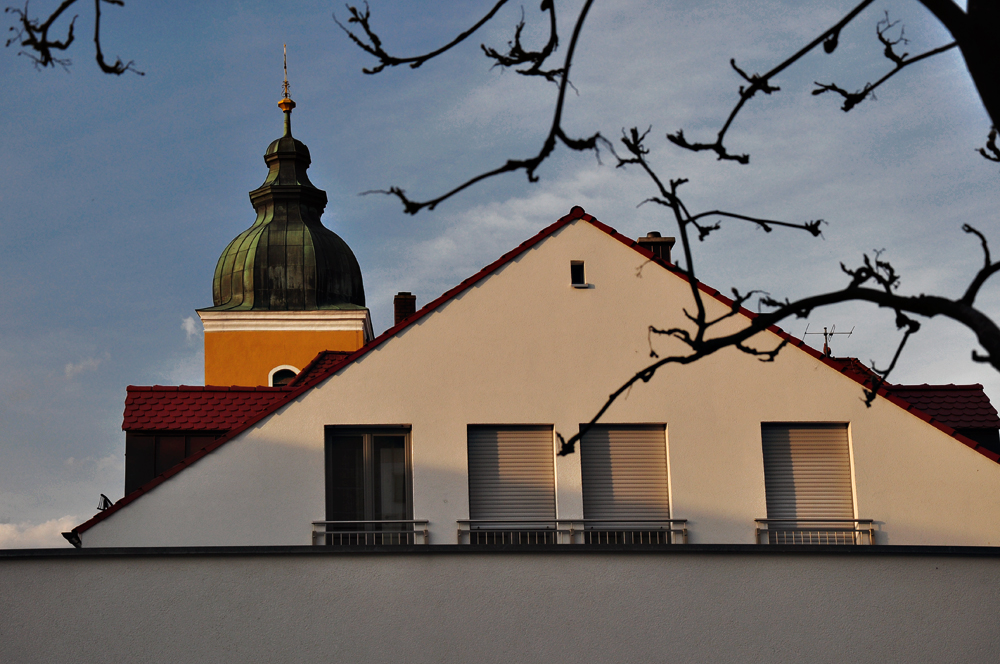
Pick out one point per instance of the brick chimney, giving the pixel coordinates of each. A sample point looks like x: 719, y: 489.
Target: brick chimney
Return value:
x: 660, y: 246
x: 404, y: 304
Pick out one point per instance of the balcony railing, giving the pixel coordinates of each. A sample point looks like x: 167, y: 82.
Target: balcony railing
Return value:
x: 815, y: 531
x: 572, y: 531
x: 370, y: 533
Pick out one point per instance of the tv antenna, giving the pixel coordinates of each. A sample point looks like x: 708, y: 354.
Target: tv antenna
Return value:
x: 828, y: 335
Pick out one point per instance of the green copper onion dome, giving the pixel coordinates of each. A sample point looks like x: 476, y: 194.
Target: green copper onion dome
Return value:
x: 287, y: 260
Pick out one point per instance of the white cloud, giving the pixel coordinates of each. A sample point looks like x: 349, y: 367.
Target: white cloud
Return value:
x: 36, y: 536
x: 73, y: 369
x: 191, y: 328
x: 186, y: 368
x: 112, y: 462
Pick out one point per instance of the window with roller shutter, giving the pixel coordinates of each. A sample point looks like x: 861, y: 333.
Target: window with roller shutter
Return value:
x: 511, y: 484
x: 626, y: 496
x: 807, y: 480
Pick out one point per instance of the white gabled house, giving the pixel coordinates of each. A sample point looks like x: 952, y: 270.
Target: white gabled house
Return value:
x: 442, y: 431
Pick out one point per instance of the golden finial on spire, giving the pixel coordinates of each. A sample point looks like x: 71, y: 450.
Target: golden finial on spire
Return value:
x: 286, y: 104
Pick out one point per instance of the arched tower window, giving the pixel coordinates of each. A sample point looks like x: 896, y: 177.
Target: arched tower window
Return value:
x: 281, y: 376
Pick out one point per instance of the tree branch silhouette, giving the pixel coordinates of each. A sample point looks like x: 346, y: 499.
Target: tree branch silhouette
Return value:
x: 976, y: 31
x: 373, y: 45
x: 517, y: 55
x: 969, y: 29
x: 852, y: 99
x: 556, y: 131
x: 760, y: 83
x: 32, y: 35
x: 874, y: 281
x: 991, y: 145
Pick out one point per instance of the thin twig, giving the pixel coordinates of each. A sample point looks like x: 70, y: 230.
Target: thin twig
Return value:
x: 761, y: 83
x: 530, y: 165
x: 385, y: 60
x: 33, y: 34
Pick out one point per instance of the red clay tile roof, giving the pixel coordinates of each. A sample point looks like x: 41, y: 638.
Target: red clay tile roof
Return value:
x: 858, y: 370
x: 313, y: 378
x: 958, y: 406
x: 192, y: 408
x: 320, y: 365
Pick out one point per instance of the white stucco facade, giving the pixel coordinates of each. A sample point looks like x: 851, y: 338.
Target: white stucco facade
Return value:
x: 522, y: 346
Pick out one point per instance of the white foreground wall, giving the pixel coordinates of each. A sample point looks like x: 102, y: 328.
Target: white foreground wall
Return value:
x: 524, y: 347
x: 501, y: 607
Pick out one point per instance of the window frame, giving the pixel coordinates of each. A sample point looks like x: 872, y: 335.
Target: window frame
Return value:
x: 803, y: 523
x: 368, y: 434
x: 549, y: 429
x: 279, y: 368
x: 657, y: 428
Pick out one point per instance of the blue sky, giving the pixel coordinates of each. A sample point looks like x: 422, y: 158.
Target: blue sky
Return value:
x: 119, y: 193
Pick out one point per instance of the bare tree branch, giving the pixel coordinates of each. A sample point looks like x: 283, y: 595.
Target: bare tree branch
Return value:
x: 374, y: 45
x: 761, y: 83
x: 912, y: 327
x: 950, y: 15
x: 988, y: 270
x: 991, y: 145
x: 530, y: 165
x: 119, y: 67
x: 852, y: 99
x: 32, y: 34
x: 976, y: 31
x: 875, y: 280
x: 517, y: 55
x: 813, y: 227
x: 953, y: 17
x: 987, y: 332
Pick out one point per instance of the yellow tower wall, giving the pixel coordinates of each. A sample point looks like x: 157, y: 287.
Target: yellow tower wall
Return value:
x: 244, y: 347
x: 248, y: 357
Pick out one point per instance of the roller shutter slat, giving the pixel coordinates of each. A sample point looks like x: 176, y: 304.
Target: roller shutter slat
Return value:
x: 511, y: 473
x: 624, y: 472
x: 807, y: 471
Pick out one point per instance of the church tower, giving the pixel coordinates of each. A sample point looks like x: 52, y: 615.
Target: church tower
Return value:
x: 287, y: 287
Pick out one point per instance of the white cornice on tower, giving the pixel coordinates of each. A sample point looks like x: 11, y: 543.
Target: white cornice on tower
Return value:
x: 312, y: 320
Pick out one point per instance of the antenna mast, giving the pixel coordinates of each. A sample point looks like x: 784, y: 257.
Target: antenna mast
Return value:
x: 828, y: 337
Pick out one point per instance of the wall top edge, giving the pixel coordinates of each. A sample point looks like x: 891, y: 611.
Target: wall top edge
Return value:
x: 256, y: 321
x: 318, y: 314
x: 465, y: 549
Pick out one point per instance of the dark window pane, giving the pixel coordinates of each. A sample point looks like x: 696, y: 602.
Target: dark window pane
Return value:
x: 282, y: 377
x: 139, y: 461
x: 389, y: 453
x: 345, y: 476
x: 169, y: 452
